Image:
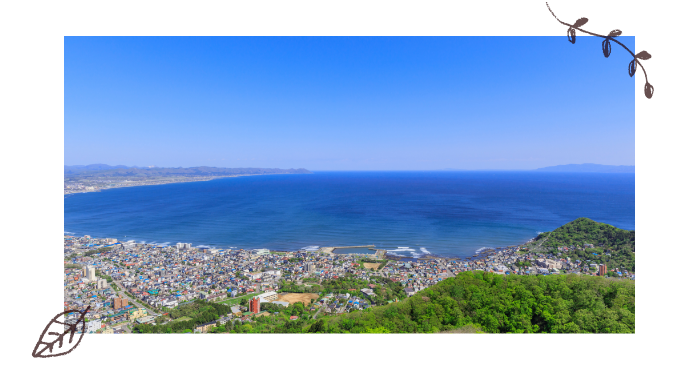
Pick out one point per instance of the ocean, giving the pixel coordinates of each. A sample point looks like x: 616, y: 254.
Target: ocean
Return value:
x: 406, y: 213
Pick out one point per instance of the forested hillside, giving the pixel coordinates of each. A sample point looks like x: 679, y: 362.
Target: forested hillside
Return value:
x: 496, y: 303
x: 612, y: 246
x: 470, y: 302
x: 186, y: 317
x: 586, y: 231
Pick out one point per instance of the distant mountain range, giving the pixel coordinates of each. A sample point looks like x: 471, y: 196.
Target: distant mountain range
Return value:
x: 104, y: 170
x: 589, y: 168
x: 579, y: 168
x: 91, y: 167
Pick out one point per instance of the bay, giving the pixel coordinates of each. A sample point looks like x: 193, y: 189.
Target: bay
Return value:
x: 442, y: 213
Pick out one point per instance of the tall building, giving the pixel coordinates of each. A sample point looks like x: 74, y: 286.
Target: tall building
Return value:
x: 91, y: 274
x: 120, y: 302
x: 309, y: 267
x: 84, y: 271
x: 254, y: 305
x: 602, y: 270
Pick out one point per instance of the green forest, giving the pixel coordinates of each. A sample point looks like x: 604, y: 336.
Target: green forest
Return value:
x: 498, y: 304
x: 97, y: 251
x: 612, y: 246
x: 291, y: 287
x: 470, y: 302
x: 198, y: 312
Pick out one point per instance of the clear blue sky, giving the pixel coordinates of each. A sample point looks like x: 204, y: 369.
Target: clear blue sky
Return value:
x: 348, y: 103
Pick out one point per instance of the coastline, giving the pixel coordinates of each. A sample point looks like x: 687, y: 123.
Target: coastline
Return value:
x: 380, y: 254
x: 476, y: 256
x: 160, y: 182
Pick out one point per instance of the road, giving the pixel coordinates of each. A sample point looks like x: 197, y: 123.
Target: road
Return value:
x: 136, y: 302
x: 322, y: 308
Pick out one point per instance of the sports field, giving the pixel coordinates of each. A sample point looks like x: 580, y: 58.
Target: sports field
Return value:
x: 298, y: 297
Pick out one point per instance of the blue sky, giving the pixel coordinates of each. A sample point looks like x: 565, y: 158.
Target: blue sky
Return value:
x: 348, y: 103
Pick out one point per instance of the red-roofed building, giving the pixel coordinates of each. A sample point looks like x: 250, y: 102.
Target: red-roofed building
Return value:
x: 254, y: 305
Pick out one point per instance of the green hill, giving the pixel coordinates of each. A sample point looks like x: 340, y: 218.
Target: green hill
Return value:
x: 482, y: 301
x: 586, y: 231
x: 612, y: 246
x: 471, y: 302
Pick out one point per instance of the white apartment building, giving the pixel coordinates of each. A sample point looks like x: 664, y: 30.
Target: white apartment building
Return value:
x: 268, y: 297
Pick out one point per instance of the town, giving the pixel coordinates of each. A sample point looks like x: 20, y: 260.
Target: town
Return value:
x: 98, y: 177
x: 89, y: 185
x: 128, y: 283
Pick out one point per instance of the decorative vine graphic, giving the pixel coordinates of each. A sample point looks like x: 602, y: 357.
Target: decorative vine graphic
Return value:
x: 44, y: 342
x: 606, y: 48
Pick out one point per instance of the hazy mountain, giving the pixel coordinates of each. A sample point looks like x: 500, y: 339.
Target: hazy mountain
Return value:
x: 589, y: 168
x: 91, y: 167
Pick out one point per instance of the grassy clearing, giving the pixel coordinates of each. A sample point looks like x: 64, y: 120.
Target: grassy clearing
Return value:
x: 236, y: 300
x: 465, y: 329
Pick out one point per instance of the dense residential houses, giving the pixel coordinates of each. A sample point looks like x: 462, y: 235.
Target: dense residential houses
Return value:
x: 125, y: 282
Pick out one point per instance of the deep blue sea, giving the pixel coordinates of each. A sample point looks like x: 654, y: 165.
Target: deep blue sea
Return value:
x: 443, y: 213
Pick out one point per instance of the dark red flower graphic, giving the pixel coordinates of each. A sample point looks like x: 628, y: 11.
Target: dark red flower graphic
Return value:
x: 42, y: 346
x: 606, y: 47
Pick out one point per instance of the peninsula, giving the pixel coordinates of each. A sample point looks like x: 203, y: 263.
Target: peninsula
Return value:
x: 96, y: 177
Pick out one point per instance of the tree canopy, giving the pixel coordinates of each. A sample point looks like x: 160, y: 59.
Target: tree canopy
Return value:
x: 497, y: 303
x: 586, y: 231
x: 612, y: 246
